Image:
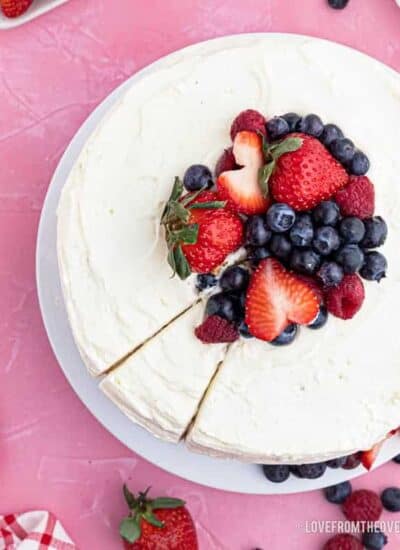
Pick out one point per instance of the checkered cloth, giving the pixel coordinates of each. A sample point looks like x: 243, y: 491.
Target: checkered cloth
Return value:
x: 37, y: 530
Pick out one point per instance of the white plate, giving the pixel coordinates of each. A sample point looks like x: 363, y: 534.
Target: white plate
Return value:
x: 227, y: 475
x: 39, y: 7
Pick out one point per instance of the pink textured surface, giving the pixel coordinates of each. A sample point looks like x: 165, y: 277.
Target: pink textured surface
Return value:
x: 53, y: 72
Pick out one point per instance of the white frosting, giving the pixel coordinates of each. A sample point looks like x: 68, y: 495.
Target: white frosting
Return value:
x: 331, y: 392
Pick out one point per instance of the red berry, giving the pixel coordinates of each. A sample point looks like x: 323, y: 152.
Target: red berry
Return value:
x: 250, y: 120
x: 14, y: 8
x: 352, y: 461
x: 357, y: 198
x: 226, y: 162
x: 343, y: 542
x: 216, y: 330
x: 363, y: 505
x: 346, y: 299
x: 314, y: 285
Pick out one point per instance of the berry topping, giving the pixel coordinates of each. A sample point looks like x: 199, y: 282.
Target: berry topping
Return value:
x: 234, y: 278
x: 259, y: 253
x: 302, y: 232
x: 309, y: 471
x: 280, y: 217
x: 224, y: 305
x: 275, y: 299
x: 368, y: 457
x: 197, y: 177
x: 314, y: 285
x: 352, y: 461
x: 337, y: 494
x: 374, y: 539
x: 311, y: 125
x: 205, y: 280
x: 346, y: 299
x: 343, y: 150
x: 241, y: 187
x: 256, y: 231
x: 374, y: 268
x: 391, y: 499
x: 14, y: 8
x: 249, y: 120
x: 292, y: 119
x: 280, y: 247
x: 357, y: 198
x: 350, y: 257
x: 277, y: 473
x: 343, y: 541
x: 375, y: 232
x: 326, y: 213
x: 226, y: 162
x: 330, y: 274
x: 305, y: 261
x: 330, y: 133
x: 337, y: 462
x: 362, y: 505
x: 306, y: 176
x: 244, y: 330
x: 286, y: 337
x: 352, y: 230
x: 277, y: 128
x: 216, y: 330
x: 320, y: 319
x: 326, y: 240
x: 359, y: 164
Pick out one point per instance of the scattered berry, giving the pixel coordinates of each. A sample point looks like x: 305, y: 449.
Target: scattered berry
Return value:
x: 326, y: 213
x: 197, y: 177
x: 375, y: 232
x: 362, y: 505
x: 292, y: 119
x: 14, y: 8
x: 359, y: 165
x: 310, y: 471
x: 326, y: 240
x: 205, y: 280
x: 280, y: 246
x: 280, y: 217
x: 286, y: 337
x: 343, y: 150
x: 352, y: 230
x: 311, y: 125
x: 374, y: 268
x: 346, y: 299
x: 226, y: 162
x: 330, y: 274
x: 374, y: 540
x: 249, y: 120
x: 320, y: 320
x: 357, y: 198
x: 337, y: 462
x: 302, y: 232
x: 391, y: 499
x: 234, y: 278
x: 277, y: 473
x: 350, y: 257
x: 256, y: 231
x: 215, y: 329
x: 343, y: 541
x: 305, y: 261
x: 223, y: 305
x: 337, y: 494
x: 330, y: 133
x: 277, y: 128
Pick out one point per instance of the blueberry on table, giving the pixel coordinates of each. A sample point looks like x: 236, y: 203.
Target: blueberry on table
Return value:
x: 234, y: 278
x: 375, y: 232
x: 277, y: 127
x: 277, y: 473
x: 338, y: 4
x: 309, y: 471
x: 343, y: 150
x: 224, y: 305
x: 256, y: 231
x: 350, y: 257
x: 336, y: 462
x: 374, y: 539
x: 396, y: 459
x: 374, y: 268
x: 280, y: 246
x: 352, y: 230
x: 205, y: 280
x: 197, y: 177
x: 302, y: 232
x: 330, y: 133
x: 320, y: 319
x: 391, y: 499
x: 359, y: 164
x: 330, y: 274
x: 286, y: 337
x: 280, y: 217
x: 305, y: 261
x: 326, y: 240
x: 311, y: 125
x: 337, y: 494
x: 326, y: 213
x: 292, y: 119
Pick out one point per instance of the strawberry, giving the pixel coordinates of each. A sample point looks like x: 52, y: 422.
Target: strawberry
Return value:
x: 226, y: 162
x: 200, y: 231
x: 241, y: 187
x: 14, y: 8
x: 276, y: 298
x: 368, y: 457
x: 304, y: 177
x: 159, y: 523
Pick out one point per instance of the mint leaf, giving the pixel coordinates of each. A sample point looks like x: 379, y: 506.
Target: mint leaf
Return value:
x: 129, y: 529
x: 167, y: 503
x: 182, y: 265
x: 264, y: 175
x: 208, y: 205
x: 151, y: 518
x: 187, y: 235
x: 129, y: 497
x: 288, y: 145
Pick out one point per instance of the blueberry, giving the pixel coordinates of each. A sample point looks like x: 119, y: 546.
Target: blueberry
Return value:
x: 326, y: 240
x: 343, y: 150
x: 330, y: 133
x: 302, y: 232
x: 224, y: 305
x: 374, y: 268
x: 397, y: 459
x: 280, y: 217
x: 234, y: 278
x: 280, y: 246
x: 337, y: 494
x: 337, y: 462
x: 258, y: 254
x: 338, y: 4
x: 391, y: 499
x: 205, y: 280
x: 375, y: 232
x: 374, y: 539
x: 352, y: 230
x: 350, y: 257
x: 330, y: 274
x: 320, y: 319
x: 286, y: 337
x: 312, y: 125
x: 304, y: 260
x: 257, y: 232
x: 197, y: 177
x: 277, y: 127
x: 326, y: 213
x: 276, y: 472
x: 292, y: 119
x: 310, y: 471
x: 244, y: 330
x: 359, y: 164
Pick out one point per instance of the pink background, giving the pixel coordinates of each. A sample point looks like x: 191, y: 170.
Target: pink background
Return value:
x: 53, y: 72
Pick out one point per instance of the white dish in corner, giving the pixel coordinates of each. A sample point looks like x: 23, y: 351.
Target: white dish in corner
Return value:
x: 39, y: 7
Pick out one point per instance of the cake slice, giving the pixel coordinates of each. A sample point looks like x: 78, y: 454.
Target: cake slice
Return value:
x: 160, y: 386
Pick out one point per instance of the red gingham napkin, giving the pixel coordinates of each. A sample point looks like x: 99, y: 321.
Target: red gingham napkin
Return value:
x: 37, y: 530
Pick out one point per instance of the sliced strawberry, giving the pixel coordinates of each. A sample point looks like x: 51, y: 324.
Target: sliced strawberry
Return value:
x: 14, y: 8
x: 276, y: 298
x: 241, y: 187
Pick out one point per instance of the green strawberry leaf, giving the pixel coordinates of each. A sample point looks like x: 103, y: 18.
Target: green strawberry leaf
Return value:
x: 129, y: 529
x: 187, y: 234
x: 175, y: 212
x: 192, y: 196
x: 171, y: 260
x: 167, y: 503
x: 288, y: 145
x: 129, y: 497
x: 182, y: 265
x: 264, y: 175
x: 177, y: 190
x: 208, y: 205
x: 151, y: 518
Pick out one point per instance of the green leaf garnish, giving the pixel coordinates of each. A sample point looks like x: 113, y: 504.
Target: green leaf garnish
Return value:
x: 129, y: 529
x: 264, y: 174
x: 187, y: 234
x: 272, y: 152
x: 166, y: 502
x: 182, y: 265
x: 129, y: 497
x: 151, y: 518
x: 288, y: 145
x: 177, y: 190
x: 208, y: 205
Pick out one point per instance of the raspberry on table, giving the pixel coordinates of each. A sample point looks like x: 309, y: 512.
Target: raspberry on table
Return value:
x: 215, y: 330
x: 343, y: 542
x: 363, y: 505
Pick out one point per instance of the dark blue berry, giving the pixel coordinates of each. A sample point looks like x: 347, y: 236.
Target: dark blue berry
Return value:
x: 337, y: 494
x: 224, y: 305
x: 305, y: 260
x: 343, y: 150
x: 277, y: 127
x: 350, y: 257
x: 359, y: 164
x: 292, y: 119
x: 391, y: 499
x: 309, y: 471
x: 280, y: 246
x: 374, y: 268
x: 320, y: 319
x: 397, y: 459
x: 326, y: 213
x: 205, y: 280
x: 277, y: 473
x: 280, y: 217
x: 311, y: 125
x: 256, y: 231
x: 352, y: 230
x: 197, y: 177
x: 286, y: 337
x: 338, y: 4
x: 336, y: 462
x: 374, y: 539
x: 352, y: 461
x: 330, y: 274
x: 302, y: 232
x: 375, y: 232
x: 258, y: 254
x: 326, y: 240
x: 244, y: 330
x: 234, y: 278
x: 330, y: 133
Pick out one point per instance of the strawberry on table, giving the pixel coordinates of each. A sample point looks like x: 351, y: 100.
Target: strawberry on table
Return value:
x: 14, y: 8
x: 162, y: 523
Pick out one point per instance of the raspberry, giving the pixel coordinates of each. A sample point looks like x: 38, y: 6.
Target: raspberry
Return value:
x: 216, y: 330
x: 250, y: 120
x: 343, y: 542
x: 346, y: 299
x: 226, y: 162
x: 357, y: 198
x: 363, y: 505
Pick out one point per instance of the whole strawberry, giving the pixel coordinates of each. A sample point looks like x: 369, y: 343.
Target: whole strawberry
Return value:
x: 159, y: 524
x: 14, y: 8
